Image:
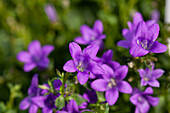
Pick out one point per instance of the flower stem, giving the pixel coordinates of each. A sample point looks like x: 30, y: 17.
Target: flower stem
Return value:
x: 64, y: 78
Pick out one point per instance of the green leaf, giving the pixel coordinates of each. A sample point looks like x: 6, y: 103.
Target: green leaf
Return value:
x: 79, y: 100
x: 60, y: 102
x: 107, y: 108
x: 43, y: 87
x: 58, y: 73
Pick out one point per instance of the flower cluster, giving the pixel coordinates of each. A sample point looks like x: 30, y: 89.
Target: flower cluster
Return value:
x: 96, y: 74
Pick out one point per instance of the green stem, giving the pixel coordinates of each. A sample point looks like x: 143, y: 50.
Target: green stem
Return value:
x: 64, y: 78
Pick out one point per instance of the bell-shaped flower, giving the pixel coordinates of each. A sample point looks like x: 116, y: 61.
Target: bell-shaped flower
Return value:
x: 36, y: 56
x: 149, y: 76
x: 83, y: 62
x: 112, y: 83
x: 143, y: 100
x: 91, y: 36
x: 145, y: 40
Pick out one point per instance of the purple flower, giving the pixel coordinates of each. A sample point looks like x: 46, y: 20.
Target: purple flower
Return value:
x: 71, y: 107
x: 129, y: 33
x: 145, y: 40
x: 112, y: 83
x: 91, y: 36
x: 33, y: 91
x: 142, y: 100
x: 90, y: 96
x: 149, y: 76
x: 51, y: 12
x: 36, y: 56
x: 47, y: 102
x: 83, y: 62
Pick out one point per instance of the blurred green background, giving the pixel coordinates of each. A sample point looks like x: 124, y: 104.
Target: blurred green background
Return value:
x: 22, y: 21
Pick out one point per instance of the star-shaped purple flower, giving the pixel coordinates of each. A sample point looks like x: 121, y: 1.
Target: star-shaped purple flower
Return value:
x: 36, y: 56
x: 145, y: 40
x: 33, y: 91
x: 112, y: 83
x: 149, y: 76
x: 142, y: 100
x: 47, y: 102
x: 128, y: 34
x: 91, y: 36
x: 83, y: 62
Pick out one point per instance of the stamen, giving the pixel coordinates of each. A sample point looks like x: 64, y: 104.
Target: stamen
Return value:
x: 80, y: 66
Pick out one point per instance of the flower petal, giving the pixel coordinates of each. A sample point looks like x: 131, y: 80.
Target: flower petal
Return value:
x: 155, y: 31
x: 47, y: 110
x: 134, y: 98
x: 99, y: 85
x: 141, y: 29
x: 91, y: 50
x: 25, y: 103
x: 28, y: 67
x: 69, y: 66
x: 125, y: 87
x: 47, y: 49
x: 124, y: 44
x: 39, y: 101
x: 80, y: 40
x: 143, y: 82
x: 34, y: 85
x: 154, y: 83
x: 114, y: 65
x: 137, y: 50
x: 157, y: 73
x: 72, y: 107
x: 154, y: 101
x: 144, y: 106
x: 158, y: 47
x: 82, y: 77
x: 33, y: 108
x: 148, y: 90
x: 121, y: 72
x: 98, y: 26
x: 87, y: 32
x: 108, y: 72
x: 95, y: 68
x: 74, y: 49
x: 34, y: 47
x: 141, y: 72
x: 108, y: 55
x: 24, y: 57
x: 137, y: 18
x: 111, y: 96
x: 43, y: 64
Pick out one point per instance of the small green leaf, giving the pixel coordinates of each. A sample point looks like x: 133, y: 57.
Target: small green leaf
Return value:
x: 43, y: 87
x: 79, y: 100
x: 60, y: 102
x: 58, y: 73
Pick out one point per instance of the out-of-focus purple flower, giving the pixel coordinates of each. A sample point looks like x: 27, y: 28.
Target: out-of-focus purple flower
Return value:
x: 83, y: 62
x: 142, y: 100
x: 145, y: 40
x: 155, y: 15
x: 36, y: 56
x: 105, y: 59
x: 33, y: 91
x: 71, y: 107
x: 128, y: 34
x: 149, y: 76
x: 91, y: 36
x: 51, y: 12
x: 112, y: 83
x: 47, y: 102
x: 90, y: 96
